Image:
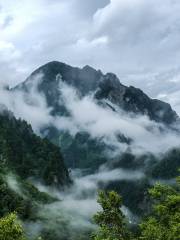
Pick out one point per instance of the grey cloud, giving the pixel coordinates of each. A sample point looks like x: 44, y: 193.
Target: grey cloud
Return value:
x: 89, y: 7
x: 78, y: 204
x: 138, y: 40
x: 31, y: 107
x: 87, y: 115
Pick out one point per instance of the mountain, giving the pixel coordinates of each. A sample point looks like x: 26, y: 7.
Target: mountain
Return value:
x: 105, y: 87
x: 82, y: 150
x: 26, y: 159
x: 134, y: 100
x: 26, y: 154
x: 85, y: 80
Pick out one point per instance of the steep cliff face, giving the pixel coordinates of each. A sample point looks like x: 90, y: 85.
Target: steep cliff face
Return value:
x: 83, y: 150
x: 107, y: 91
x: 27, y: 155
x: 105, y: 87
x: 84, y: 80
x: 134, y: 100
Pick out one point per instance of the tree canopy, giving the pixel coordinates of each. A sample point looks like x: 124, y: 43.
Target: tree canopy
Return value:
x: 163, y: 222
x: 10, y: 228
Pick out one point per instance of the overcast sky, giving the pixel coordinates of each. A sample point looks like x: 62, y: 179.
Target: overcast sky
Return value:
x: 139, y: 40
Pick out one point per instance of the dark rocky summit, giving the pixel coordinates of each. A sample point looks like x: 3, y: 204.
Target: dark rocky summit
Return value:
x: 134, y: 100
x: 105, y: 87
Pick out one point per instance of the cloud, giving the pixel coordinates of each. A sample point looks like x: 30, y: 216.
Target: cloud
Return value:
x: 137, y: 40
x: 139, y: 31
x: 100, y: 122
x: 78, y: 204
x: 31, y: 106
x: 86, y: 115
x: 120, y: 36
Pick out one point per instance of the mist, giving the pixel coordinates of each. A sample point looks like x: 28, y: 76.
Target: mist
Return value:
x: 74, y: 208
x: 30, y: 106
x: 87, y: 115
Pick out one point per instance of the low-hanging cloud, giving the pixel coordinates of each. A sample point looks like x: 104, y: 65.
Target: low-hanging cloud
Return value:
x: 88, y: 116
x: 30, y: 106
x: 100, y: 122
x: 77, y: 205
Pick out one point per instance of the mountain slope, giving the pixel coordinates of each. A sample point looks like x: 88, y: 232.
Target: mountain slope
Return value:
x: 134, y: 100
x: 104, y: 87
x: 28, y: 155
x: 82, y: 150
x: 107, y: 91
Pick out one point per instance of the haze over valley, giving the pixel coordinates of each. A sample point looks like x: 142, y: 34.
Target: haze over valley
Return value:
x: 84, y: 109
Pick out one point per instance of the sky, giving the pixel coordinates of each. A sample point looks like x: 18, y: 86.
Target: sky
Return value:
x: 139, y: 40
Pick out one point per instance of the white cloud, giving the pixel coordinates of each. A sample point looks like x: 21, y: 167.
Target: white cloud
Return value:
x: 86, y: 115
x: 100, y: 122
x: 136, y: 39
x: 30, y: 106
x: 78, y: 204
x: 120, y: 36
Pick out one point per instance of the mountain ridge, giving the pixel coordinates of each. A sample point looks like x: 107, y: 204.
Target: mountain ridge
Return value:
x: 27, y: 155
x: 104, y: 86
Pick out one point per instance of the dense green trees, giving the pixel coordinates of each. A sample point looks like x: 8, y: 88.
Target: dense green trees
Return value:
x: 163, y: 223
x: 23, y: 154
x: 111, y: 219
x: 10, y: 228
x: 27, y: 154
x: 25, y: 199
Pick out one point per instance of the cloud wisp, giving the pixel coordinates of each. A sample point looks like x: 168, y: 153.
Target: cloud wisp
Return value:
x: 85, y: 114
x: 30, y: 106
x: 100, y: 122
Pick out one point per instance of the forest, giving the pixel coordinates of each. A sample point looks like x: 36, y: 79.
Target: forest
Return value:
x: 162, y: 221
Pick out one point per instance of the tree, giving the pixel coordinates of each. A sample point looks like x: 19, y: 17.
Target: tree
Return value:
x: 111, y: 219
x: 164, y: 222
x: 10, y: 228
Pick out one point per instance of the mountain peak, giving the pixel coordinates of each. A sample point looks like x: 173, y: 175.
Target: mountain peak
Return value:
x: 107, y: 86
x: 85, y: 79
x: 88, y: 68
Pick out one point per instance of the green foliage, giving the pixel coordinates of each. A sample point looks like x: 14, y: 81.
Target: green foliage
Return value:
x: 32, y: 193
x: 27, y: 154
x: 11, y: 201
x: 164, y: 222
x: 81, y: 150
x: 10, y: 228
x: 111, y: 219
x: 166, y: 167
x: 24, y: 199
x: 134, y: 193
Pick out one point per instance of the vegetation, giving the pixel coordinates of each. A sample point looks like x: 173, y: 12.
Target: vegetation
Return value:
x: 23, y: 197
x: 111, y: 219
x: 81, y: 150
x: 11, y: 229
x: 27, y: 154
x: 163, y: 222
x: 24, y: 155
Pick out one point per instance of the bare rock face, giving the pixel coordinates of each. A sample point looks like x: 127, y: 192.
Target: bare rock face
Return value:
x: 134, y: 100
x: 105, y: 87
